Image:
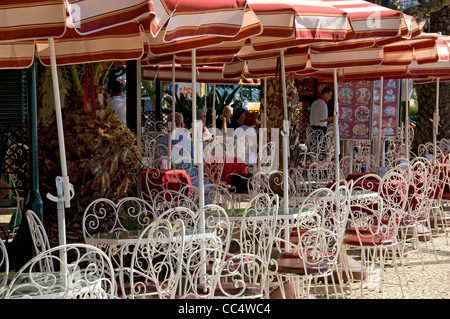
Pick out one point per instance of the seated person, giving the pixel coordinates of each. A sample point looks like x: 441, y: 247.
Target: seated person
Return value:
x: 247, y: 141
x: 181, y: 147
x: 238, y: 118
x: 224, y: 120
x: 201, y: 115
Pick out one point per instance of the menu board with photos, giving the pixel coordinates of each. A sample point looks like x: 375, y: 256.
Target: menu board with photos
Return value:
x: 391, y: 100
x: 354, y: 110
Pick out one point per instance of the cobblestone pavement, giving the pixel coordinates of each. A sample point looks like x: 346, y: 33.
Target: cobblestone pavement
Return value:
x: 430, y: 282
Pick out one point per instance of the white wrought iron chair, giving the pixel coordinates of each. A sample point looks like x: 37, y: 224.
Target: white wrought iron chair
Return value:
x: 439, y: 218
x: 149, y: 150
x: 215, y: 156
x: 312, y: 143
x: 206, y: 247
x: 266, y: 156
x: 84, y: 274
x: 444, y: 145
x: 321, y: 174
x: 156, y: 261
x: 40, y: 239
x: 301, y: 186
x: 244, y: 275
x: 167, y: 199
x: 259, y: 226
x: 418, y: 209
x: 314, y: 256
x: 103, y: 217
x: 374, y: 227
x: 4, y: 267
x: 218, y: 195
x: 426, y: 149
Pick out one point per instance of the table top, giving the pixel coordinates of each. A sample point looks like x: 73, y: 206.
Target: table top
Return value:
x: 131, y: 237
x: 283, y: 213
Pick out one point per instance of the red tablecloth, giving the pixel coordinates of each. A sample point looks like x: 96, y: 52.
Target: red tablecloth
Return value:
x: 163, y: 180
x: 231, y: 165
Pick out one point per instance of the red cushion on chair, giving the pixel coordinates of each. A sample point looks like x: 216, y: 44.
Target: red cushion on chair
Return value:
x: 376, y: 240
x: 294, y: 254
x: 294, y: 232
x: 352, y: 230
x: 233, y: 289
x: 296, y: 266
x: 446, y: 196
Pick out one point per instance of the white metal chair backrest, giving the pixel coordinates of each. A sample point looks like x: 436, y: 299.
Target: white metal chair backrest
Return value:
x: 259, y: 225
x: 167, y: 199
x: 266, y: 157
x: 301, y: 187
x: 86, y: 274
x: 218, y: 195
x: 149, y: 151
x: 40, y: 239
x: 105, y: 216
x: 157, y: 260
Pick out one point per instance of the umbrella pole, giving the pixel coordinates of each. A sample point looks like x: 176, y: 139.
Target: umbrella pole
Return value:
x: 171, y: 124
x: 380, y: 127
x: 335, y: 124
x: 198, y: 141
x: 63, y: 187
x: 436, y: 118
x: 285, y: 133
x: 407, y: 120
x: 265, y: 102
x: 214, y: 110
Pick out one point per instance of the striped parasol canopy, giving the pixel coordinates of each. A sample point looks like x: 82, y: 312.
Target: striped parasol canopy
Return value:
x: 422, y: 56
x: 69, y: 32
x: 94, y: 30
x: 204, y: 74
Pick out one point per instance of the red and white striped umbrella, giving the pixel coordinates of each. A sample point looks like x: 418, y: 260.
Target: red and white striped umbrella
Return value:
x: 368, y: 22
x: 98, y: 24
x: 440, y: 68
x: 183, y: 25
x: 423, y: 55
x: 123, y: 42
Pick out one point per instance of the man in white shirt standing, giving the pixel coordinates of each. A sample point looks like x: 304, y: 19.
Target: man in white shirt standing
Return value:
x: 318, y: 118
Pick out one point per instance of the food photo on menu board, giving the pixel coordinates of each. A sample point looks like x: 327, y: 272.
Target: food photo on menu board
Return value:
x: 354, y: 110
x: 390, y: 107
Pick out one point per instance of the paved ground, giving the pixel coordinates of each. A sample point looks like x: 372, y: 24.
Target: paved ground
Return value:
x: 433, y: 282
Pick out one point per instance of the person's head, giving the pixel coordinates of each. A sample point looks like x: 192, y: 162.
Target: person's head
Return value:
x: 240, y: 114
x: 326, y: 93
x: 201, y: 115
x: 250, y: 120
x: 115, y: 87
x: 179, y: 121
x: 227, y: 112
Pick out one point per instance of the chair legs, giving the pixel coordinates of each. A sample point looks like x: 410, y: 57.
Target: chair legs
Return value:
x: 414, y: 235
x: 373, y: 266
x: 440, y: 220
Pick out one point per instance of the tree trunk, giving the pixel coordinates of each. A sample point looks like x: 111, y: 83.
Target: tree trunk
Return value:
x: 426, y: 94
x: 102, y: 157
x: 275, y: 113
